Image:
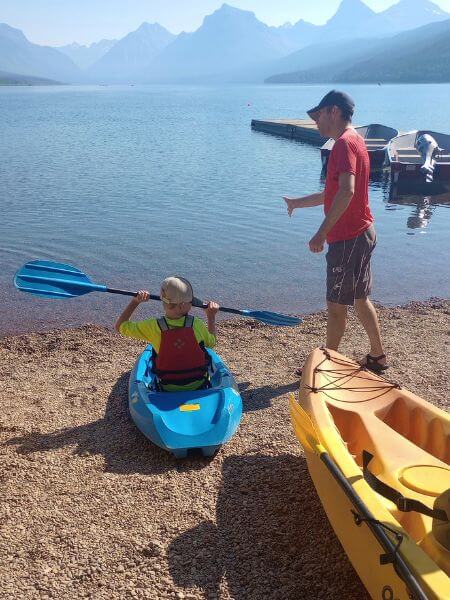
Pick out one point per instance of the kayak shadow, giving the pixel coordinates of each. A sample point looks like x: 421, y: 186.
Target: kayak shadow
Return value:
x: 115, y: 437
x: 271, y: 539
x: 259, y: 398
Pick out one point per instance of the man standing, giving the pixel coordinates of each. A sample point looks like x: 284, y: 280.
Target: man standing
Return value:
x: 347, y: 227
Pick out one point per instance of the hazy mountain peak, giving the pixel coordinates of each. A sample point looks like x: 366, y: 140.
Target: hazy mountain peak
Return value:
x: 351, y: 4
x: 410, y: 14
x: 85, y: 56
x: 132, y: 53
x: 151, y: 27
x: 422, y: 5
x: 11, y: 33
x: 349, y: 10
x: 229, y: 40
x: 229, y: 12
x: 227, y: 8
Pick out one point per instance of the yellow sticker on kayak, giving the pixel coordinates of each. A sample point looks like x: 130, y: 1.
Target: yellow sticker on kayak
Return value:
x: 189, y: 407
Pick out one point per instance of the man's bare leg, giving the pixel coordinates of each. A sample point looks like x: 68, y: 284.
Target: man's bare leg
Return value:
x: 336, y: 324
x: 369, y: 320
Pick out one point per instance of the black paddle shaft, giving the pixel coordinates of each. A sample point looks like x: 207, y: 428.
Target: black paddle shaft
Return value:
x: 127, y: 293
x: 196, y: 302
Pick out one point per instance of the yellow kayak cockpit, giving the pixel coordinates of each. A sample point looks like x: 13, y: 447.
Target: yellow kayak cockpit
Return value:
x: 394, y: 449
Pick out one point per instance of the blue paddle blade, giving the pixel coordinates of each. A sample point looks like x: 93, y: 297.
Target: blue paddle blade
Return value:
x: 265, y: 316
x: 272, y: 318
x: 49, y: 279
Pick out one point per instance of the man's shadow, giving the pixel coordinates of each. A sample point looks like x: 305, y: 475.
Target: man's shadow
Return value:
x: 271, y: 539
x: 115, y: 437
x: 259, y: 398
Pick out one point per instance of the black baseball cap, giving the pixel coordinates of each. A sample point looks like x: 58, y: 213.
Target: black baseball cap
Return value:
x: 334, y: 98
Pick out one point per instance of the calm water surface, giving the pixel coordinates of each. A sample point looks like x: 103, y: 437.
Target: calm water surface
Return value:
x: 131, y: 184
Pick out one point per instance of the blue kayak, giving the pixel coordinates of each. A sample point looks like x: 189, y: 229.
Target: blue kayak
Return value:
x: 182, y: 421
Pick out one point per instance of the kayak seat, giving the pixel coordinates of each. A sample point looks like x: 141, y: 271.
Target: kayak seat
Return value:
x: 441, y: 530
x: 155, y: 386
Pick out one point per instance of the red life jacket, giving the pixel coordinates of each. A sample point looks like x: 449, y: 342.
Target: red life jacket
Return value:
x: 181, y: 359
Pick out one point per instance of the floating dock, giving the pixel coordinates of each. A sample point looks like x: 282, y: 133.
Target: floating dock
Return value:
x: 304, y: 130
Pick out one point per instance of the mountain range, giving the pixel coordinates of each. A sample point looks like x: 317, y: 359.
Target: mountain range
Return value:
x: 19, y: 56
x: 419, y: 55
x: 355, y: 44
x: 132, y: 54
x: 86, y: 56
x: 227, y: 41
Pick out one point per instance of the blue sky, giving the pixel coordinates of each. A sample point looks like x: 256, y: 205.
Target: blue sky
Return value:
x: 57, y: 22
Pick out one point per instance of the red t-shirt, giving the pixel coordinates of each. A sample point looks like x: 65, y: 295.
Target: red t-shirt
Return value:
x: 349, y: 155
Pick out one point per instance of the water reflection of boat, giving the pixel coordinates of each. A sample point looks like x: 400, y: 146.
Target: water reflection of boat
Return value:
x: 376, y: 137
x: 423, y: 206
x: 410, y: 169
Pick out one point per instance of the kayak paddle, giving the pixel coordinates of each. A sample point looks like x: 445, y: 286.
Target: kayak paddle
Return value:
x: 56, y: 280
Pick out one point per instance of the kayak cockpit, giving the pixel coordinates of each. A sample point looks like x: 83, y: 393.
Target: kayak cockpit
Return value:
x: 410, y: 448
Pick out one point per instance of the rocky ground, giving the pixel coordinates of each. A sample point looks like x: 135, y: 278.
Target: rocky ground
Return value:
x: 90, y: 509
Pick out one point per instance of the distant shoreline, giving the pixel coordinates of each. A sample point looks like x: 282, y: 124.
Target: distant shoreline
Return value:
x: 5, y: 84
x: 230, y: 84
x: 16, y: 79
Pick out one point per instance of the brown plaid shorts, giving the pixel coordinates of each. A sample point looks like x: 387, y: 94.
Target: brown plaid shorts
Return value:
x: 349, y: 276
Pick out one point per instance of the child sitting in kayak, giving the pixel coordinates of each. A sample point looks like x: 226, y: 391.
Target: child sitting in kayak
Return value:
x: 179, y: 339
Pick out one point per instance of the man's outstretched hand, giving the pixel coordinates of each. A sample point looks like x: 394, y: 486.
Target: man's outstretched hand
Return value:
x: 290, y: 204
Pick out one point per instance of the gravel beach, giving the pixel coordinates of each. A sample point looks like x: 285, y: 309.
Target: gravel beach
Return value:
x: 90, y: 509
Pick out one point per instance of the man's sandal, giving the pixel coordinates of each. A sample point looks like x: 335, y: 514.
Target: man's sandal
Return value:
x: 372, y: 363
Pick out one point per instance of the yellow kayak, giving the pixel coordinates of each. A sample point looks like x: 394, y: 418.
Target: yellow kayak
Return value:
x: 379, y: 458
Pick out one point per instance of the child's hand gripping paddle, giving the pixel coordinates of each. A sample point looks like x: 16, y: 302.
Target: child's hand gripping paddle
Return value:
x: 56, y: 280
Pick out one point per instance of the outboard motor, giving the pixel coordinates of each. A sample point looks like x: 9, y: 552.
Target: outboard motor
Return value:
x: 427, y: 146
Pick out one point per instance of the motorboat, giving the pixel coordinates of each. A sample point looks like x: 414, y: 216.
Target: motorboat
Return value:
x: 420, y: 159
x: 376, y: 138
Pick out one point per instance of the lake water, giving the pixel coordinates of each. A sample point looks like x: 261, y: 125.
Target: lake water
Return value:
x: 131, y: 184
